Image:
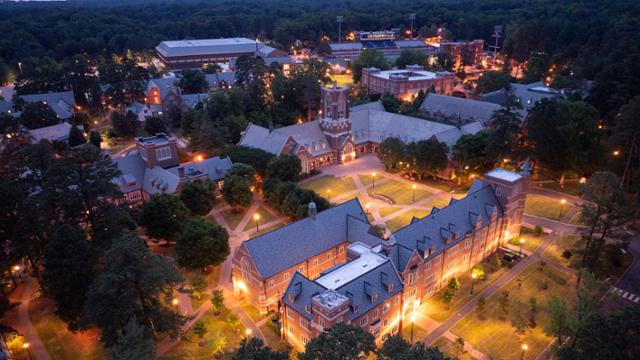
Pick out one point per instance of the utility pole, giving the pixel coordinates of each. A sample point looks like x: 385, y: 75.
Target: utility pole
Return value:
x: 497, y: 34
x: 412, y: 17
x: 340, y: 20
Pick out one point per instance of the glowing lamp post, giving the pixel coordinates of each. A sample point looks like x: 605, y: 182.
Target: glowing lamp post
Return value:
x: 329, y: 195
x: 373, y: 179
x: 413, y: 320
x: 25, y: 346
x: 525, y: 347
x: 248, y: 332
x: 562, y: 202
x: 175, y: 302
x: 521, y: 243
x: 473, y: 281
x: 256, y: 217
x: 414, y: 192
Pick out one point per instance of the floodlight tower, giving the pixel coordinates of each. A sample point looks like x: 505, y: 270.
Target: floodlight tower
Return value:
x: 497, y: 34
x: 412, y: 17
x: 340, y: 20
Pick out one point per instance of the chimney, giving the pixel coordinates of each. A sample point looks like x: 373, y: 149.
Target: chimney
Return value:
x: 312, y: 210
x: 181, y: 172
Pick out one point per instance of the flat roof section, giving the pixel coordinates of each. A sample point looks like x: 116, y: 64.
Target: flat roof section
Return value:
x: 411, y: 75
x: 503, y: 174
x: 367, y: 261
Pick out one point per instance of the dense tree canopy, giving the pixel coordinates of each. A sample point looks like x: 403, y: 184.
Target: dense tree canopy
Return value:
x: 200, y: 243
x: 342, y: 341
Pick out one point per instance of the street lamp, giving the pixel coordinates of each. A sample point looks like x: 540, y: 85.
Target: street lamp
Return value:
x: 175, y: 302
x: 521, y: 243
x: 256, y: 217
x: 414, y: 192
x: 473, y: 281
x: 562, y: 202
x: 329, y: 194
x: 616, y: 152
x: 373, y: 178
x: 413, y: 320
x: 248, y: 332
x: 26, y: 347
x: 367, y: 208
x: 525, y: 347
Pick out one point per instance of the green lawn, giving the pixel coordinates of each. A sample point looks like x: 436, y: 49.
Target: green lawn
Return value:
x: 221, y: 335
x: 337, y: 186
x: 531, y: 240
x: 418, y: 332
x: 569, y: 188
x: 265, y: 217
x: 233, y: 217
x: 264, y: 230
x: 578, y: 220
x: 559, y: 245
x: 58, y: 340
x: 436, y: 309
x: 546, y: 207
x: 449, y: 349
x: 273, y: 339
x: 399, y: 192
x: 404, y: 219
x: 438, y: 202
x: 367, y: 179
x: 251, y: 310
x: 388, y: 210
x: 496, y: 336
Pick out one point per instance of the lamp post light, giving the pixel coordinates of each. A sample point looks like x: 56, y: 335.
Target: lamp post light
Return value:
x: 414, y: 192
x: 373, y: 178
x: 562, y: 202
x: 256, y: 217
x: 25, y: 346
x: 473, y: 281
x: 367, y: 208
x: 413, y: 320
x: 329, y: 194
x: 248, y: 332
x: 525, y: 347
x: 175, y: 302
x: 521, y: 243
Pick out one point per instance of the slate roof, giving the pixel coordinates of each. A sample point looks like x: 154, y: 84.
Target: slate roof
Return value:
x: 307, y: 134
x: 528, y: 94
x: 452, y: 106
x: 227, y: 76
x: 138, y: 108
x: 6, y: 106
x: 256, y: 136
x: 61, y: 103
x: 58, y: 132
x: 191, y: 100
x: 292, y: 244
x: 164, y: 84
x: 383, y: 281
x: 457, y: 218
x: 374, y: 105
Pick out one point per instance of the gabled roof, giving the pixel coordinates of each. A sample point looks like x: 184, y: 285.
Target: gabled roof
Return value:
x: 528, y: 94
x: 292, y: 244
x: 58, y: 132
x: 191, y: 100
x: 227, y: 76
x: 452, y: 220
x: 61, y: 103
x: 374, y: 105
x: 164, y: 84
x: 261, y: 138
x: 307, y: 134
x: 452, y: 106
x: 302, y: 290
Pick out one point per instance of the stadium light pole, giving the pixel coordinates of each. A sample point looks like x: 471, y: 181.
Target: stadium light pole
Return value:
x: 340, y: 20
x: 412, y: 17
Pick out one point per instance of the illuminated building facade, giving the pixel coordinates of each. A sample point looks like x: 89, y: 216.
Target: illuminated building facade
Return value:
x: 329, y: 267
x: 406, y: 83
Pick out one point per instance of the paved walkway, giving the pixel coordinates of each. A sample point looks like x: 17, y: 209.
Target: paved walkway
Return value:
x: 36, y: 347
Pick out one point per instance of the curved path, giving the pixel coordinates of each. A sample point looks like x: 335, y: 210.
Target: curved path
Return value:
x: 36, y: 346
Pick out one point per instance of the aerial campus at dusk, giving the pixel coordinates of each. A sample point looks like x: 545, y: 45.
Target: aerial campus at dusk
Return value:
x: 320, y: 180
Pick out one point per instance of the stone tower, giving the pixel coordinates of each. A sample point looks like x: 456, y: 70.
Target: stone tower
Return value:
x: 335, y: 122
x: 511, y: 190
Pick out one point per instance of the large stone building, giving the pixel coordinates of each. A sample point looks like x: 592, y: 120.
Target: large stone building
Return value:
x: 187, y: 54
x: 406, y: 83
x: 330, y: 267
x: 154, y: 168
x: 344, y: 133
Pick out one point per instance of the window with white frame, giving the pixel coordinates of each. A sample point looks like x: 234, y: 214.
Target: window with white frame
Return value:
x: 163, y: 153
x: 364, y: 321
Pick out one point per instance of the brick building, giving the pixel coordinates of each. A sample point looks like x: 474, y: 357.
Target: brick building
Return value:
x: 406, y: 83
x: 464, y: 52
x: 154, y: 167
x: 329, y: 267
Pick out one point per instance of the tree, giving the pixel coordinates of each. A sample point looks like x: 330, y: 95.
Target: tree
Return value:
x: 162, y: 216
x: 192, y: 81
x: 428, y: 156
x: 109, y: 221
x: 535, y: 69
x: 492, y: 81
x: 82, y: 80
x: 236, y: 191
x: 284, y: 168
x: 478, y: 271
x: 134, y: 284
x: 68, y: 271
x: 125, y: 125
x: 201, y: 243
x: 217, y: 300
x: 199, y: 196
x: 553, y: 138
x: 392, y: 152
x: 558, y: 318
x: 254, y: 348
x: 244, y: 171
x: 341, y: 341
x: 533, y: 311
x: 127, y: 82
x: 37, y: 114
x: 459, y: 345
x: 368, y: 58
x: 132, y: 344
x: 200, y: 329
x: 519, y: 321
x: 448, y: 295
x: 411, y: 57
x: 625, y: 135
x: 395, y: 347
x: 155, y: 125
x: 505, y: 125
x: 76, y: 136
x: 198, y: 285
x: 40, y: 75
x: 95, y: 139
x: 256, y: 158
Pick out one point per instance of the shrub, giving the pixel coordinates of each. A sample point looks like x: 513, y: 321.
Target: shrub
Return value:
x: 537, y: 230
x: 567, y: 254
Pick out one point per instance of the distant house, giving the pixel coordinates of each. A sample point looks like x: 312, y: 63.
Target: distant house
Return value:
x: 455, y: 110
x: 154, y: 167
x: 53, y: 133
x: 527, y: 94
x: 142, y: 111
x: 163, y: 93
x: 221, y: 80
x: 62, y: 103
x: 190, y: 101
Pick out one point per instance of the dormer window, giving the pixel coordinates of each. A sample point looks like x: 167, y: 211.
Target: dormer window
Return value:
x: 291, y: 298
x: 307, y: 308
x: 374, y: 298
x: 391, y: 287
